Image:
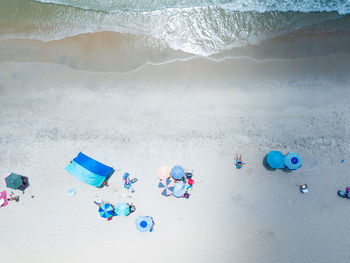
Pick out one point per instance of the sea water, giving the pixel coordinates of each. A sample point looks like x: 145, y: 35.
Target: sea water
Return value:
x: 201, y: 27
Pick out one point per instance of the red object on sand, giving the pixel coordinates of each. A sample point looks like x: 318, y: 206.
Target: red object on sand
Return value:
x: 190, y: 182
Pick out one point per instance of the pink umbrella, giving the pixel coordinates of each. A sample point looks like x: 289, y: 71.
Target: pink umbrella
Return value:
x: 4, y: 177
x: 3, y: 199
x: 163, y: 173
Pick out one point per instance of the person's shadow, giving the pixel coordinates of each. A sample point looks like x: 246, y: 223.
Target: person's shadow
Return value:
x: 266, y: 165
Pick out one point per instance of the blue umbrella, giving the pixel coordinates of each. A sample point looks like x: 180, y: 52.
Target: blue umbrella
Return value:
x: 144, y: 223
x: 106, y: 210
x: 179, y: 189
x: 275, y: 159
x: 293, y: 161
x: 122, y: 209
x: 177, y: 172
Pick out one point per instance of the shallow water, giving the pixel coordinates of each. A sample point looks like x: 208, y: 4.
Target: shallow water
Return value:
x: 197, y: 27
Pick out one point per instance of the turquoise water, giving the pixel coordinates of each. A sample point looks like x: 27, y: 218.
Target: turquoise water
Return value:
x: 199, y: 26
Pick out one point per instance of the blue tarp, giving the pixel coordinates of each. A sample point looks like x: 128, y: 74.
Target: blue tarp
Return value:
x: 88, y: 170
x: 93, y: 165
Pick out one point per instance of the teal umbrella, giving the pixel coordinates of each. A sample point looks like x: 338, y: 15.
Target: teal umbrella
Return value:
x: 122, y: 209
x: 13, y: 181
x: 275, y: 159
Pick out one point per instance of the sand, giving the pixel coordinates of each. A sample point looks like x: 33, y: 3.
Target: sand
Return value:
x: 197, y: 113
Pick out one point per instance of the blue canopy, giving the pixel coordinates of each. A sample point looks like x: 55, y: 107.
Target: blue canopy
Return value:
x: 177, y: 172
x: 122, y: 209
x: 89, y: 170
x: 144, y: 223
x: 179, y: 189
x: 275, y: 159
x: 293, y: 161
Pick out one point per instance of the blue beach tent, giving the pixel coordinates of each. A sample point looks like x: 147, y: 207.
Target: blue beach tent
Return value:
x: 89, y: 170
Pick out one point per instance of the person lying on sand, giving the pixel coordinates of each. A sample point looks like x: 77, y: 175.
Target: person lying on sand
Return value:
x: 238, y: 161
x: 12, y: 198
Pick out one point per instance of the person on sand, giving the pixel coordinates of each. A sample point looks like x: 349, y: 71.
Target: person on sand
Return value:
x: 12, y: 198
x: 238, y: 162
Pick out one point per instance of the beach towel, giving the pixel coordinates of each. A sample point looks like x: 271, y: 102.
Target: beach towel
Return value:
x: 3, y: 199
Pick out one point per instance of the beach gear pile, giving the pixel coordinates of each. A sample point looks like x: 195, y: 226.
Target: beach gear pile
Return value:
x: 277, y: 160
x: 175, y: 182
x: 345, y: 193
x: 129, y: 182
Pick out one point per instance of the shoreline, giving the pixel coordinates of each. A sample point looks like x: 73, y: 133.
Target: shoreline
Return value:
x: 121, y: 53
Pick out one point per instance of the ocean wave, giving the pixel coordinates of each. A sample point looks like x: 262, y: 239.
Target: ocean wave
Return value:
x: 200, y: 30
x: 112, y: 6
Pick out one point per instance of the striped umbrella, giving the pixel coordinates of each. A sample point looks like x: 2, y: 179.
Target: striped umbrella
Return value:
x: 166, y: 186
x: 293, y: 161
x: 177, y: 172
x: 144, y: 223
x: 106, y: 210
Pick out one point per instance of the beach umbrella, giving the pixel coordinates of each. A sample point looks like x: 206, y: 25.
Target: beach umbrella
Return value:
x: 13, y: 181
x: 122, y: 209
x: 166, y: 186
x: 177, y: 172
x: 179, y: 189
x: 144, y: 223
x: 293, y: 161
x: 163, y: 173
x: 275, y: 159
x: 106, y: 210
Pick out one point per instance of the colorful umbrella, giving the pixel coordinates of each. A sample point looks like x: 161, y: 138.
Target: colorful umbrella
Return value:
x: 13, y: 181
x: 179, y: 189
x: 275, y: 159
x: 177, y: 172
x: 106, y: 210
x: 163, y: 173
x: 166, y: 187
x: 122, y: 209
x: 144, y: 223
x: 293, y: 161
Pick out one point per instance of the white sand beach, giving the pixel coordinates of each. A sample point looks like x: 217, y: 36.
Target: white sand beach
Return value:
x: 49, y: 113
x: 197, y: 113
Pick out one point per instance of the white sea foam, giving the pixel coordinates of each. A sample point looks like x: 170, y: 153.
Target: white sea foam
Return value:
x: 200, y: 29
x: 112, y: 6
